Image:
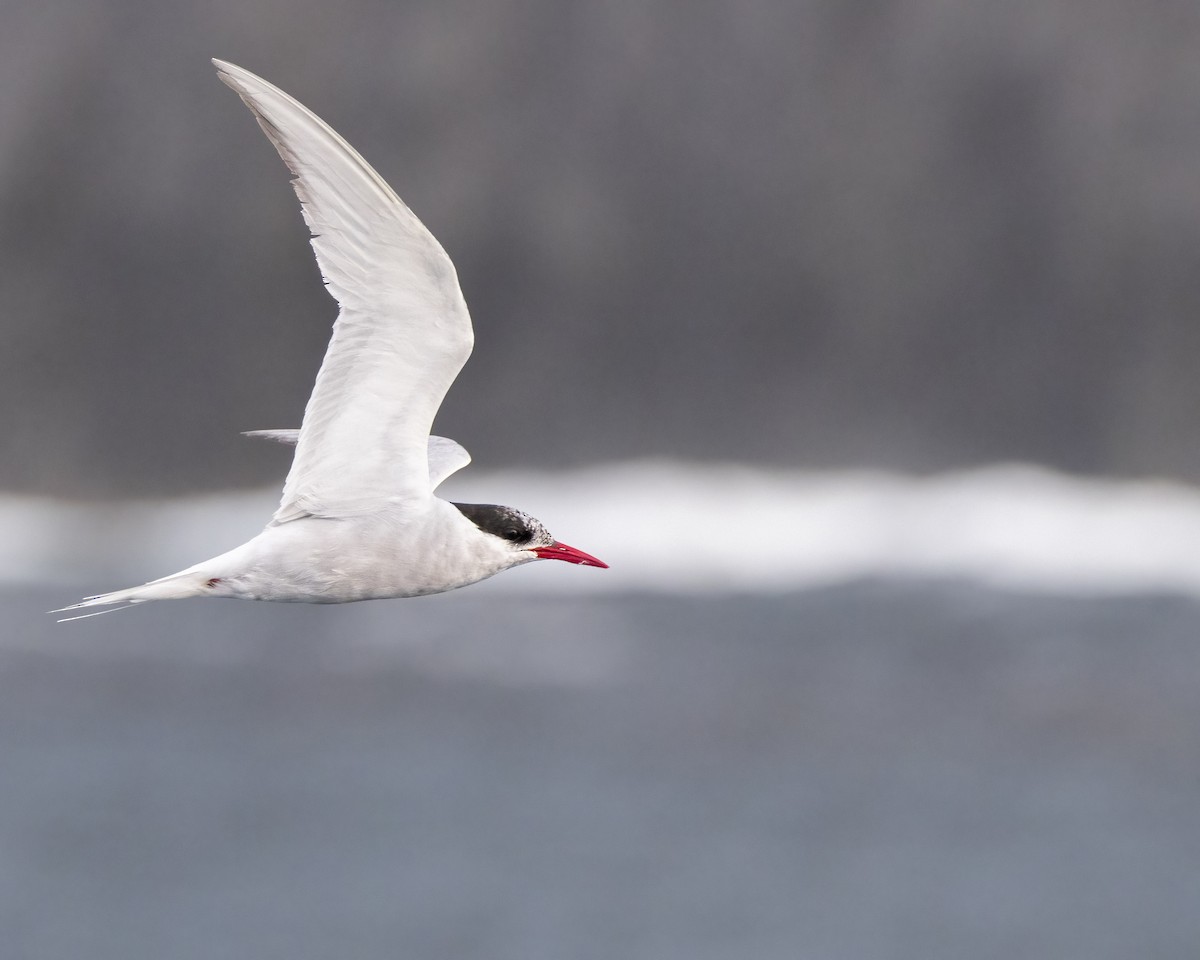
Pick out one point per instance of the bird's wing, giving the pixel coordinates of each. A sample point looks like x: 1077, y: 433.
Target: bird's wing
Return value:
x: 401, y: 337
x: 445, y: 455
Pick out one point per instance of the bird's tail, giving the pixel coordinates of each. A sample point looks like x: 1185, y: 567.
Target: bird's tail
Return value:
x: 175, y: 587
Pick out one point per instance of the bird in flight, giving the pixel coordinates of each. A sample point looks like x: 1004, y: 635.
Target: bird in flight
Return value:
x: 358, y: 519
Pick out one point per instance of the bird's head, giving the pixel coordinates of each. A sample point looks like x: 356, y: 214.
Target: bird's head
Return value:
x: 523, y: 534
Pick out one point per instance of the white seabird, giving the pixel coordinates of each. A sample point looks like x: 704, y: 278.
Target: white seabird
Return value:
x: 358, y: 519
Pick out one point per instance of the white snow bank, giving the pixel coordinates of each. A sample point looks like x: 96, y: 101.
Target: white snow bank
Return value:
x: 679, y: 527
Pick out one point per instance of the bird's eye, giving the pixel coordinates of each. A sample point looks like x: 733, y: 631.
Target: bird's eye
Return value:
x: 514, y: 534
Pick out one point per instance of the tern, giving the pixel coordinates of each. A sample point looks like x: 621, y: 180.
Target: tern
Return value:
x: 358, y: 519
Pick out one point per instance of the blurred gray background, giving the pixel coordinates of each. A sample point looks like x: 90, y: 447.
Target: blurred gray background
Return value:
x: 914, y: 235
x: 871, y: 772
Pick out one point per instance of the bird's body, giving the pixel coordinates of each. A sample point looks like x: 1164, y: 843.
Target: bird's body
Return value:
x: 358, y: 519
x: 388, y: 553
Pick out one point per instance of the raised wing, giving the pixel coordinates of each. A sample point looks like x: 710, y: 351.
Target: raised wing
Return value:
x: 401, y: 337
x: 445, y: 455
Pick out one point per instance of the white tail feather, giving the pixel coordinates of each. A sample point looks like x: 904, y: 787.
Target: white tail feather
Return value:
x: 96, y: 613
x: 175, y: 587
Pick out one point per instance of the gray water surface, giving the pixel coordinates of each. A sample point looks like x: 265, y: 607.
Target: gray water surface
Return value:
x: 883, y: 770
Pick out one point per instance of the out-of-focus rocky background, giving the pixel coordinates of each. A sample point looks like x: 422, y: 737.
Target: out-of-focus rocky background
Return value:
x: 823, y: 234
